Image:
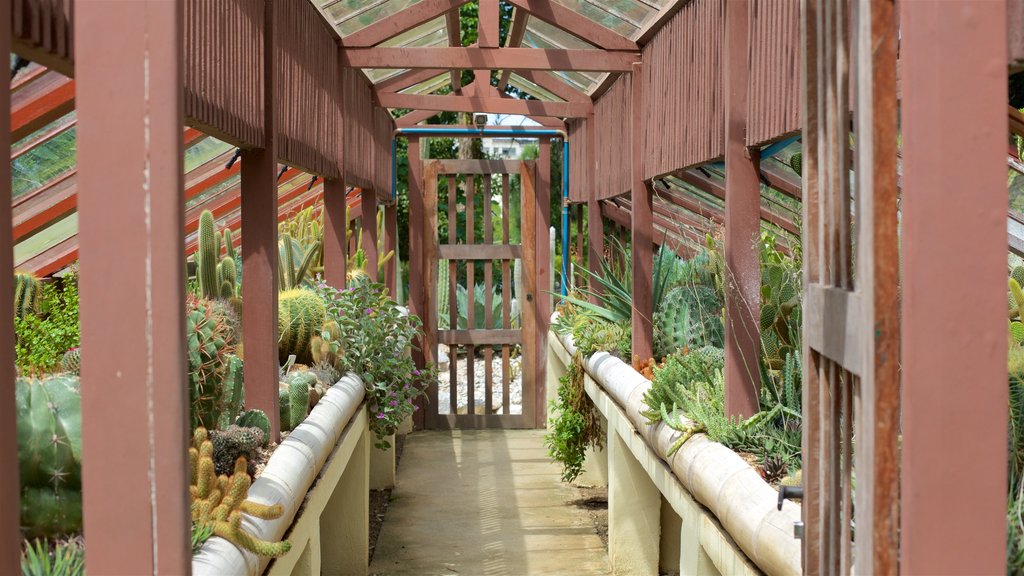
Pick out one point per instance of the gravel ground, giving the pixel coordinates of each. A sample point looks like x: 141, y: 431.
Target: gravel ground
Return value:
x: 462, y: 367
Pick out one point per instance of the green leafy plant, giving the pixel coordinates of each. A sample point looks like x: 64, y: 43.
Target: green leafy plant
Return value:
x: 42, y: 557
x: 42, y: 339
x: 575, y: 423
x: 376, y: 336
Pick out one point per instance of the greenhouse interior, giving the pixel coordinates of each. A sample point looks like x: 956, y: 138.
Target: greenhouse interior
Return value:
x: 513, y: 287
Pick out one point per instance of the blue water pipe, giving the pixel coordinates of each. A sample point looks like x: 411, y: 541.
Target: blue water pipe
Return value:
x: 481, y: 132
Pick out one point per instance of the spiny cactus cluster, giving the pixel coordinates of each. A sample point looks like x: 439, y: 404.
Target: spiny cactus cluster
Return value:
x: 71, y: 362
x: 1015, y: 304
x: 28, y: 291
x: 780, y: 313
x: 220, y: 501
x: 325, y: 348
x: 294, y: 398
x: 214, y: 371
x: 49, y: 417
x: 218, y: 277
x: 300, y: 316
x: 234, y: 442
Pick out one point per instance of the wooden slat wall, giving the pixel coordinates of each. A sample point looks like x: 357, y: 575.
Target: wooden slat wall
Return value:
x: 580, y: 174
x: 359, y: 129
x: 1015, y: 28
x: 308, y: 121
x: 774, y: 98
x: 43, y: 31
x: 383, y: 129
x: 223, y: 69
x: 683, y: 91
x: 611, y: 113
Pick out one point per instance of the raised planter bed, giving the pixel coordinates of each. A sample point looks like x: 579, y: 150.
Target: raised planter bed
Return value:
x: 320, y: 474
x: 729, y: 515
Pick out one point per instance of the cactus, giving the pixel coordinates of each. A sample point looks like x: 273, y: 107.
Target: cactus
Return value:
x: 229, y: 244
x: 232, y: 392
x: 207, y: 256
x: 227, y: 274
x: 28, y: 291
x: 210, y: 346
x: 443, y: 305
x: 232, y: 443
x: 71, y: 362
x: 254, y: 418
x: 325, y: 346
x: 220, y: 501
x: 1016, y: 298
x: 49, y: 423
x: 290, y: 275
x: 300, y: 315
x: 672, y: 323
x: 796, y: 162
x: 294, y: 398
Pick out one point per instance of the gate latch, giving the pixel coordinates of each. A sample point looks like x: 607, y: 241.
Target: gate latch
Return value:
x: 785, y: 493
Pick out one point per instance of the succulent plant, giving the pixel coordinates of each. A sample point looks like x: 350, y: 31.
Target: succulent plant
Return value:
x: 296, y: 261
x: 232, y: 443
x: 672, y: 324
x: 254, y: 418
x: 71, y: 362
x: 220, y: 501
x: 207, y: 256
x: 210, y: 347
x: 773, y: 468
x: 796, y: 162
x: 28, y: 292
x: 49, y: 421
x: 443, y: 304
x: 300, y: 316
x: 325, y: 347
x: 293, y: 398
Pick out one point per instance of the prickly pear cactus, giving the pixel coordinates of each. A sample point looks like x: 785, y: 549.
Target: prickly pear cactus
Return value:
x: 49, y: 416
x: 28, y: 292
x: 300, y: 316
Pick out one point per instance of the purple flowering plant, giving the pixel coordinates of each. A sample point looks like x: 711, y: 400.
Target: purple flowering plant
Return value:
x: 376, y: 338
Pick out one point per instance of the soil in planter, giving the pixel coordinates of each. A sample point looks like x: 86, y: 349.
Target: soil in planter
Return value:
x: 381, y: 499
x: 594, y: 499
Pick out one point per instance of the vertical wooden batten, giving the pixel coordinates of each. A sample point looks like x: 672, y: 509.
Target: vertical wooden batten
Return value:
x: 130, y: 172
x: 742, y: 224
x: 260, y: 251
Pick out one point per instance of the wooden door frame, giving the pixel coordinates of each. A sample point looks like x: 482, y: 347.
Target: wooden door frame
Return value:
x: 532, y: 340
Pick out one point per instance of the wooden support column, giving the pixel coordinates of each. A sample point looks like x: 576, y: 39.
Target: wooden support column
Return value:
x: 10, y: 536
x: 742, y: 225
x: 259, y: 251
x: 391, y: 278
x: 417, y: 291
x: 336, y: 202
x: 368, y: 215
x: 542, y: 270
x: 642, y: 228
x: 130, y: 173
x: 954, y: 56
x: 595, y: 223
x: 335, y: 227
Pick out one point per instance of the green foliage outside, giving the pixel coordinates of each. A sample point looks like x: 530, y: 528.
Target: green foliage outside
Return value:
x: 52, y: 558
x: 42, y: 339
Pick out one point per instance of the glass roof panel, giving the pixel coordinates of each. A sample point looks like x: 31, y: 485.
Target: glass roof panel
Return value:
x: 427, y: 35
x: 348, y: 16
x: 556, y: 36
x: 532, y: 89
x: 203, y: 151
x: 47, y: 160
x: 54, y: 234
x: 429, y: 86
x: 603, y: 13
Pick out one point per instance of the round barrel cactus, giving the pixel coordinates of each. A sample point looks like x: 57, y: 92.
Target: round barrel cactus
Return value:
x: 50, y: 454
x: 300, y: 316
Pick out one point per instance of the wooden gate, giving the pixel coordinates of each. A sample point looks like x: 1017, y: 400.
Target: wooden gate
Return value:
x: 501, y: 336
x: 851, y: 314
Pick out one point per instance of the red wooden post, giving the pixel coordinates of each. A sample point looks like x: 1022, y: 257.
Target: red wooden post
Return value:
x: 130, y: 173
x: 368, y: 215
x: 335, y: 226
x: 742, y: 225
x: 595, y: 223
x: 391, y: 279
x: 260, y: 251
x: 10, y: 536
x: 954, y: 56
x: 336, y: 203
x: 641, y: 229
x: 417, y: 305
x: 542, y: 267
x: 488, y: 18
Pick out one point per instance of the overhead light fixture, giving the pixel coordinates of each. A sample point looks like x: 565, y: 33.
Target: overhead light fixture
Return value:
x: 480, y: 120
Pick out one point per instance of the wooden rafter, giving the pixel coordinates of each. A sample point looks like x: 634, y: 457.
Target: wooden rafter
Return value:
x: 552, y: 84
x: 406, y: 80
x: 401, y: 21
x: 490, y: 59
x: 514, y: 40
x: 452, y: 26
x: 717, y: 190
x: 486, y: 104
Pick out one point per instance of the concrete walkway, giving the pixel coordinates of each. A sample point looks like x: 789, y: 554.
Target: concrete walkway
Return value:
x: 486, y: 503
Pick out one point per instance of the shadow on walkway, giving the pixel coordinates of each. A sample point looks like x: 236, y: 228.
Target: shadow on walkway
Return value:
x: 486, y: 503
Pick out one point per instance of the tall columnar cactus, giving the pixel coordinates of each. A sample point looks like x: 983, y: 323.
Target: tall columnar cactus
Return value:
x: 210, y: 346
x: 219, y: 502
x: 232, y: 393
x: 1016, y: 300
x: 49, y: 420
x: 672, y: 323
x: 300, y: 315
x: 229, y: 244
x: 207, y: 256
x: 227, y: 275
x: 28, y: 291
x: 296, y: 262
x: 293, y: 398
x: 443, y: 303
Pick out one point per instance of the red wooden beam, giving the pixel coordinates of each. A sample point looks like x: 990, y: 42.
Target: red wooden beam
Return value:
x: 485, y: 104
x: 715, y: 189
x: 487, y: 27
x: 452, y: 28
x: 405, y: 19
x: 549, y: 82
x: 514, y: 39
x: 490, y: 59
x: 54, y: 99
x: 575, y: 23
x: 407, y: 79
